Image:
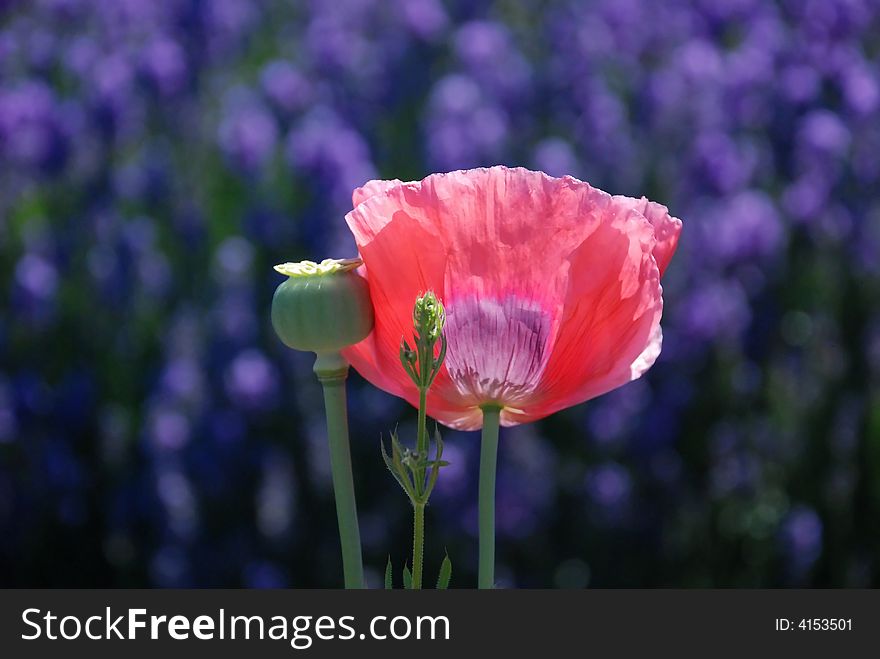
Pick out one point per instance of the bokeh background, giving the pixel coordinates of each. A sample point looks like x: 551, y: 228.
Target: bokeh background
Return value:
x: 157, y: 158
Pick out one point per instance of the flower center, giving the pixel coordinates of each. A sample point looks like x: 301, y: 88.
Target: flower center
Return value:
x: 310, y: 268
x: 497, y: 349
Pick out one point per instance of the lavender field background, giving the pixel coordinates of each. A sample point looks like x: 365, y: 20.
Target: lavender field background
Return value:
x: 157, y: 158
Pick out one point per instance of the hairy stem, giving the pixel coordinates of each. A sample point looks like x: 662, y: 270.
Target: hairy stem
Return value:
x: 418, y: 544
x: 422, y: 438
x: 488, y: 466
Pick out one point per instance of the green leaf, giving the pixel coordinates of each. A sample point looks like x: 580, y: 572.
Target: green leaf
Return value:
x: 445, y: 574
x: 401, y: 478
x: 407, y: 358
x: 438, y: 362
x: 389, y: 583
x: 386, y: 457
x: 396, y: 451
x: 436, y: 463
x: 438, y: 440
x: 407, y: 578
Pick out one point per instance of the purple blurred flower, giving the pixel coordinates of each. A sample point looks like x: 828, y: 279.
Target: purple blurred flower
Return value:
x: 36, y: 276
x: 425, y: 18
x: 800, y: 538
x: 35, y: 287
x: 805, y: 197
x: 169, y: 428
x: 733, y: 471
x: 609, y: 487
x: 616, y: 413
x: 170, y: 567
x: 146, y: 177
x: 248, y: 133
x: 728, y: 165
x: 454, y: 478
x: 111, y: 77
x: 860, y: 87
x: 285, y: 86
x: 30, y: 128
x: 337, y: 44
x: 325, y: 146
x: 825, y: 132
x: 163, y: 64
x: 275, y: 498
x: 42, y: 48
x: 233, y: 260
x: 800, y: 83
x: 464, y: 128
x: 716, y: 309
x: 182, y: 380
x: 264, y: 574
x: 113, y: 100
x: 556, y: 157
x: 227, y: 23
x: 251, y: 380
x: 526, y: 483
x: 699, y: 61
x: 746, y: 227
x: 234, y: 316
x: 176, y: 494
x: 486, y: 50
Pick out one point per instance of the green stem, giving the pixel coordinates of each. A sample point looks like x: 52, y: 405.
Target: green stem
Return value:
x: 488, y: 465
x: 418, y: 544
x: 332, y: 371
x: 419, y: 508
x: 422, y: 438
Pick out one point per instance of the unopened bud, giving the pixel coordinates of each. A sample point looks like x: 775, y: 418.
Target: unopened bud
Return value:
x: 429, y: 317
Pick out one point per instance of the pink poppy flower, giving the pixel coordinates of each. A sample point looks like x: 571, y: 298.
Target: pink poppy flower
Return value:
x: 551, y: 288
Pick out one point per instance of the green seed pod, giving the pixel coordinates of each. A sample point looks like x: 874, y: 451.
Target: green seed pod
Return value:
x: 322, y: 307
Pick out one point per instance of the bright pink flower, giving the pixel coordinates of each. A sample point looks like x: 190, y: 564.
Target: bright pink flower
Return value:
x: 551, y: 288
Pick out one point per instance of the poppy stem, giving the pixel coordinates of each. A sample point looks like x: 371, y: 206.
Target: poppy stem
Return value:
x: 332, y: 371
x: 488, y: 467
x: 422, y: 436
x: 419, y: 508
x: 418, y: 544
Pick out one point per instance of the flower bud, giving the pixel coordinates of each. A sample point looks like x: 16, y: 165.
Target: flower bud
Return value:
x: 322, y: 307
x: 429, y: 317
